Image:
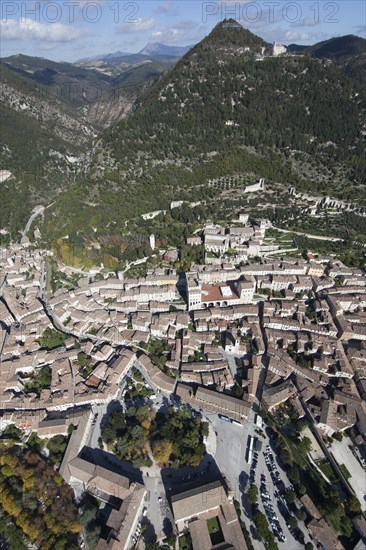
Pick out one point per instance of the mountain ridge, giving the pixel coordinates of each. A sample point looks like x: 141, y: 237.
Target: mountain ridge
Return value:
x: 224, y: 108
x: 221, y: 110
x: 339, y: 48
x: 155, y: 50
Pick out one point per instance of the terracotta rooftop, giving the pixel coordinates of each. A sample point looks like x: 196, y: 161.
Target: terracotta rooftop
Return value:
x: 218, y: 292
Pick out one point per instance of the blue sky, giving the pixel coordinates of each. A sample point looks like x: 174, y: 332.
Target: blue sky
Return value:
x: 72, y: 29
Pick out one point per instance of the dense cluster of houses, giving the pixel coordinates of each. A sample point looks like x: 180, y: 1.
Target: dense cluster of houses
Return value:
x: 295, y: 329
x: 251, y: 312
x: 236, y: 242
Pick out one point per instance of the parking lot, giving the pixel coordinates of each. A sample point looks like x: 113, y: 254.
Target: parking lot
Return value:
x: 272, y: 483
x: 268, y: 500
x: 229, y: 454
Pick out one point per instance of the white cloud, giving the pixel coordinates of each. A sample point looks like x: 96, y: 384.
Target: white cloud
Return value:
x: 295, y: 35
x: 287, y: 36
x: 141, y: 25
x: 167, y: 7
x: 32, y: 30
x: 307, y: 22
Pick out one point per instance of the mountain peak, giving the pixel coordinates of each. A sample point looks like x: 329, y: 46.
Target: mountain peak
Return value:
x: 230, y: 33
x: 230, y: 24
x: 162, y: 50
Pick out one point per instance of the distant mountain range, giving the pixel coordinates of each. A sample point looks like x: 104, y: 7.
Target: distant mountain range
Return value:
x: 153, y: 50
x: 51, y: 114
x: 81, y: 87
x: 348, y: 52
x: 339, y: 48
x: 158, y: 50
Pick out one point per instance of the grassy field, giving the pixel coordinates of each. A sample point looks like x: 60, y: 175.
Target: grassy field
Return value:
x: 214, y: 528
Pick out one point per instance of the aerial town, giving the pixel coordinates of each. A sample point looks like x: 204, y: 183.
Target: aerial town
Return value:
x: 182, y: 275
x: 249, y: 341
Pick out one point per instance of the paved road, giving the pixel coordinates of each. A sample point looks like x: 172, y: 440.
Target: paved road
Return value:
x: 158, y: 509
x: 42, y: 280
x: 231, y: 443
x: 302, y: 234
x: 343, y: 455
x: 37, y: 211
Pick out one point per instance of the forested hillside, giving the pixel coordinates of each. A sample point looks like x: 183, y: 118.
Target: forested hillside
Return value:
x: 348, y: 52
x: 227, y: 107
x: 221, y: 110
x: 50, y: 115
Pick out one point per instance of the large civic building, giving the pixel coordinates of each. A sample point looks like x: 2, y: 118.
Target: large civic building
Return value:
x: 209, y: 515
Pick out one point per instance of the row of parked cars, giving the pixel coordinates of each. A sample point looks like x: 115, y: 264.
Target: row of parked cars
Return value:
x: 271, y: 465
x: 253, y: 467
x: 270, y: 511
x: 137, y: 533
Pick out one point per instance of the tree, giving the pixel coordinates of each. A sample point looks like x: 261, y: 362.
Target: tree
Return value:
x: 301, y: 424
x: 146, y: 423
x: 305, y: 445
x: 261, y: 524
x: 253, y: 495
x: 12, y: 432
x: 41, y: 379
x: 176, y: 434
x: 162, y: 450
x: 353, y: 505
x: 9, y: 459
x: 285, y: 456
x: 6, y: 471
x: 171, y: 539
x: 300, y: 514
x: 292, y: 521
x: 143, y: 413
x: 263, y: 531
x: 34, y: 485
x: 52, y: 339
x: 293, y: 475
x: 290, y: 496
x: 205, y: 429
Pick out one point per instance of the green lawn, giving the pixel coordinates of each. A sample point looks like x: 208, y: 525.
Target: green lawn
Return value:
x: 213, y: 525
x: 326, y: 468
x: 214, y: 528
x: 344, y: 471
